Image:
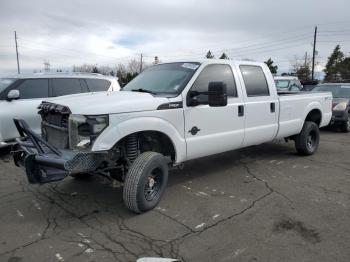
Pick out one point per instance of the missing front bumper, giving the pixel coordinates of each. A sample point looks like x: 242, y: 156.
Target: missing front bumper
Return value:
x: 44, y: 163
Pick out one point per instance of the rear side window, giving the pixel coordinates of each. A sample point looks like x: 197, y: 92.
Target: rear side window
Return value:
x: 215, y: 73
x: 33, y: 88
x: 254, y: 81
x: 96, y: 85
x: 66, y: 86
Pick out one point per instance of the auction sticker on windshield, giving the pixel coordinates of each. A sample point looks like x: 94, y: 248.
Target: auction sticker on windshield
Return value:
x: 190, y: 66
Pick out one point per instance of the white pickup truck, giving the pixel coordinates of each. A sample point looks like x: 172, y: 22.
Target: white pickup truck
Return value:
x: 169, y: 114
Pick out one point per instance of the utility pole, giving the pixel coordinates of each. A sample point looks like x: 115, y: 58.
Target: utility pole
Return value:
x: 18, y: 70
x: 141, y: 63
x: 313, y: 55
x: 305, y: 59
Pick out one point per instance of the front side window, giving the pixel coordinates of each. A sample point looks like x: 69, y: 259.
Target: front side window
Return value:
x: 254, y: 81
x: 33, y: 88
x: 5, y: 83
x: 163, y: 79
x: 97, y: 85
x: 66, y: 86
x: 215, y: 73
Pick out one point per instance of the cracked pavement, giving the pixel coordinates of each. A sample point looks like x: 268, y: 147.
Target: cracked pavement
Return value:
x: 262, y: 203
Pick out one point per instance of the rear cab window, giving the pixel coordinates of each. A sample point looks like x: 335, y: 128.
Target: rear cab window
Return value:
x: 254, y: 80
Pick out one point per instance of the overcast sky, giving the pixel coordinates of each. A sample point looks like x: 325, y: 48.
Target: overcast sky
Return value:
x: 108, y: 32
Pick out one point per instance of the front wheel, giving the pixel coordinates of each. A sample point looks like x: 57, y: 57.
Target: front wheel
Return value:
x: 306, y: 143
x: 145, y: 182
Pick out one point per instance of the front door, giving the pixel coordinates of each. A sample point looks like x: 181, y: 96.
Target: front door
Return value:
x: 211, y: 130
x: 32, y: 92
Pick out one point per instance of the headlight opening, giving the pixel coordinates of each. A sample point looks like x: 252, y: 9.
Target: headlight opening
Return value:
x: 83, y: 130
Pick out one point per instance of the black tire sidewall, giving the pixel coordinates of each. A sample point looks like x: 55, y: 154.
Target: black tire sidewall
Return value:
x: 156, y: 161
x: 346, y: 127
x: 301, y: 142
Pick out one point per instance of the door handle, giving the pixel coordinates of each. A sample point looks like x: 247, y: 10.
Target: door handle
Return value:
x: 272, y: 107
x: 241, y: 110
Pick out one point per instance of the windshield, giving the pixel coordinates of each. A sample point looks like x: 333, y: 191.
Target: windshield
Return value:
x: 163, y: 79
x: 282, y: 84
x: 5, y: 82
x: 338, y: 91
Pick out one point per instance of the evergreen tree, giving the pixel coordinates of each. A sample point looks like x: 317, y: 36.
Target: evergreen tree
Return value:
x: 272, y: 67
x: 333, y: 66
x: 209, y: 55
x: 304, y: 72
x: 344, y: 69
x: 224, y: 56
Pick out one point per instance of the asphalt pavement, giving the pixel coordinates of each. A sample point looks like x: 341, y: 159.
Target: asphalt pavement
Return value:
x: 262, y: 203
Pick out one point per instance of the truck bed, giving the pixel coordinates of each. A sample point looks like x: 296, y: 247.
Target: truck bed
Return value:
x: 294, y: 107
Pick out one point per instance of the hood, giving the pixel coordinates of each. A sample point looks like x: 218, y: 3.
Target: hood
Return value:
x: 339, y: 100
x: 109, y: 102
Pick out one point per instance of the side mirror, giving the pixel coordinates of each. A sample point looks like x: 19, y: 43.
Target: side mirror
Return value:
x: 13, y: 95
x: 217, y: 94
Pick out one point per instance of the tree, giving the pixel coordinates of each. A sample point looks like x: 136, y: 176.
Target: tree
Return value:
x: 333, y: 66
x: 272, y: 67
x: 224, y: 56
x: 344, y: 69
x: 95, y: 70
x: 209, y: 55
x: 302, y: 69
x: 134, y: 66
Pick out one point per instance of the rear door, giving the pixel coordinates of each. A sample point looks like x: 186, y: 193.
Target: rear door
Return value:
x: 261, y: 104
x: 211, y: 130
x: 32, y: 92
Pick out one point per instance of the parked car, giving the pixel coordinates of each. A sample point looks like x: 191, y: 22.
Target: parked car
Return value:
x: 341, y: 103
x: 20, y: 95
x: 287, y: 83
x: 308, y: 85
x: 168, y: 114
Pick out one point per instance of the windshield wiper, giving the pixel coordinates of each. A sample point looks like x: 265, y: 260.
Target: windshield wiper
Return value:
x: 143, y: 91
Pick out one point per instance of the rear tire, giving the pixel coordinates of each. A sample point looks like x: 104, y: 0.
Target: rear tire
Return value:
x: 145, y: 182
x: 346, y: 126
x: 306, y: 143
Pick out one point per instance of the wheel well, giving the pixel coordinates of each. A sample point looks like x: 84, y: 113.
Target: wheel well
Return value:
x: 153, y: 141
x: 314, y: 115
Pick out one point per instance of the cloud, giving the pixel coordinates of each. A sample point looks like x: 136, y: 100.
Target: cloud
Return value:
x: 110, y: 31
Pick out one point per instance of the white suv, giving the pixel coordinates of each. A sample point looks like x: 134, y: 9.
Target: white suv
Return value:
x: 20, y: 95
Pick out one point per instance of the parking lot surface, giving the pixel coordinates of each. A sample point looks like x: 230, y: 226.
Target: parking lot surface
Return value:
x: 262, y: 203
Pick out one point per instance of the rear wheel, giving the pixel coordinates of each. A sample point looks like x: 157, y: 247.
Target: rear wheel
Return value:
x: 145, y: 182
x: 346, y: 126
x: 306, y: 143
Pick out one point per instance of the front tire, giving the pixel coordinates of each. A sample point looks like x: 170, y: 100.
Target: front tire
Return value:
x: 145, y: 182
x: 306, y: 143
